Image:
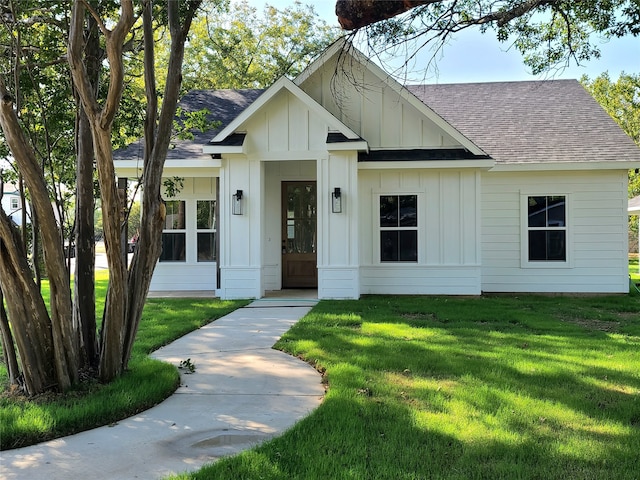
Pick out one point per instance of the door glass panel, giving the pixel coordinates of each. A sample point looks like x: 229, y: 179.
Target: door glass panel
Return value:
x: 301, y: 218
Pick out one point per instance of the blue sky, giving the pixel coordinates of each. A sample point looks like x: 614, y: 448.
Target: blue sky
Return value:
x: 475, y: 57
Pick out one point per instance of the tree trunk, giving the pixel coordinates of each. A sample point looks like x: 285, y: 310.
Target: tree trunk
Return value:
x: 149, y: 244
x: 84, y: 303
x: 8, y: 347
x: 30, y: 321
x: 65, y: 346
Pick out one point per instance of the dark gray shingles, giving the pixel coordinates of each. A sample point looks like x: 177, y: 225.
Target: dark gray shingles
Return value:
x: 223, y: 106
x: 531, y: 122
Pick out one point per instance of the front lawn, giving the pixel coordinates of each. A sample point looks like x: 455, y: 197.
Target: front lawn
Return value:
x: 498, y: 387
x: 147, y: 382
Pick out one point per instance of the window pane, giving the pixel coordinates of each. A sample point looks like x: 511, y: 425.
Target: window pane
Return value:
x: 172, y: 247
x: 408, y: 210
x: 556, y: 212
x: 547, y: 245
x: 176, y: 218
x: 206, y: 214
x: 206, y: 247
x: 556, y: 245
x: 537, y: 211
x: 389, y: 246
x: 537, y: 245
x: 389, y: 211
x: 408, y: 245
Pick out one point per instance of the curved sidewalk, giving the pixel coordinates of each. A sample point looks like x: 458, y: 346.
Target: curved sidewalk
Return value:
x: 241, y: 393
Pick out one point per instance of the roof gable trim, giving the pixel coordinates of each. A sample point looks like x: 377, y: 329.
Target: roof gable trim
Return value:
x: 282, y: 83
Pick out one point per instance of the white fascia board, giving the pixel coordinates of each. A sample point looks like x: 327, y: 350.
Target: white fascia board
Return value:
x: 188, y: 167
x: 362, y: 146
x: 280, y: 84
x: 223, y: 149
x: 483, y: 164
x: 388, y: 80
x: 559, y: 166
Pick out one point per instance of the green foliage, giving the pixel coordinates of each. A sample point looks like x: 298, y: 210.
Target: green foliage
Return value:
x: 173, y: 186
x: 548, y: 34
x: 232, y: 46
x: 621, y: 100
x: 524, y: 387
x: 186, y: 122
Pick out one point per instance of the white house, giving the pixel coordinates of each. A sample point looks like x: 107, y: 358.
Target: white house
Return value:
x: 346, y: 181
x: 634, y: 209
x: 11, y: 203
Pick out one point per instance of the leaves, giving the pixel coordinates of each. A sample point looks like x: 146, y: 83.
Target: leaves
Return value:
x: 549, y: 33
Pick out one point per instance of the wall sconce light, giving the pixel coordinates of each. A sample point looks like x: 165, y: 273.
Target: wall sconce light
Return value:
x: 336, y: 200
x: 236, y: 203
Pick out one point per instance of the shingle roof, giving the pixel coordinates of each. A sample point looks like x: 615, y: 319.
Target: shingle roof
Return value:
x: 223, y: 106
x: 513, y: 122
x: 531, y: 122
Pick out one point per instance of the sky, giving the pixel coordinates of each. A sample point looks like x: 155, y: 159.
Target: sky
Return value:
x: 475, y: 57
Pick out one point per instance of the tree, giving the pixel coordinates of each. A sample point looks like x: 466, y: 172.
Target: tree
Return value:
x: 621, y: 100
x: 48, y: 342
x: 548, y: 33
x: 236, y: 47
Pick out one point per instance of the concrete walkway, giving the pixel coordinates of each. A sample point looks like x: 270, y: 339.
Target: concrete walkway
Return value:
x: 242, y: 393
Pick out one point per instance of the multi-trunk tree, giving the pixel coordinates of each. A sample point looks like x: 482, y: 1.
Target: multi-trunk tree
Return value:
x: 79, y: 80
x: 49, y: 341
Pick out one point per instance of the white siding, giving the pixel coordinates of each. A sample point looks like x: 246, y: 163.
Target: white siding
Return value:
x: 285, y: 126
x: 190, y: 274
x: 448, y: 232
x: 597, y: 232
x: 373, y: 109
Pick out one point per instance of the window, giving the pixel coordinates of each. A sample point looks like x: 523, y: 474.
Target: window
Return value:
x: 547, y: 228
x: 174, y: 232
x: 15, y: 203
x: 206, y: 230
x: 398, y: 228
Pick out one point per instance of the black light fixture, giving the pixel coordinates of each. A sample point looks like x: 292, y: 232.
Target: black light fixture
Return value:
x: 236, y: 203
x: 336, y: 200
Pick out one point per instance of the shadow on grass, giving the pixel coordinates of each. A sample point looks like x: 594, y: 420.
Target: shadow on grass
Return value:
x: 475, y: 388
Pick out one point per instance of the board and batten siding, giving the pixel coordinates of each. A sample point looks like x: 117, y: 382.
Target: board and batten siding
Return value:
x: 286, y: 129
x: 373, y: 109
x: 190, y: 274
x: 448, y: 232
x: 597, y: 232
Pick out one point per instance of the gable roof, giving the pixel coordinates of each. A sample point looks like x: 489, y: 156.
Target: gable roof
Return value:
x: 345, y: 53
x: 552, y: 121
x: 223, y: 105
x: 283, y: 83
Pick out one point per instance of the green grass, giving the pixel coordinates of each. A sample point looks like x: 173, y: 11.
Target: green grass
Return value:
x: 633, y: 269
x: 146, y: 383
x: 502, y: 387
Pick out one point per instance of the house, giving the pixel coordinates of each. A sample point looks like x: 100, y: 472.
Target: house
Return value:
x: 346, y: 181
x: 11, y: 203
x: 634, y: 209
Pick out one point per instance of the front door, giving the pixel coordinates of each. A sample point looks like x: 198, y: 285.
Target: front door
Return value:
x: 299, y: 240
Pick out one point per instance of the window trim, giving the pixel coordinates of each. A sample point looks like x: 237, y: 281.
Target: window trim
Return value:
x: 379, y: 229
x: 524, y: 231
